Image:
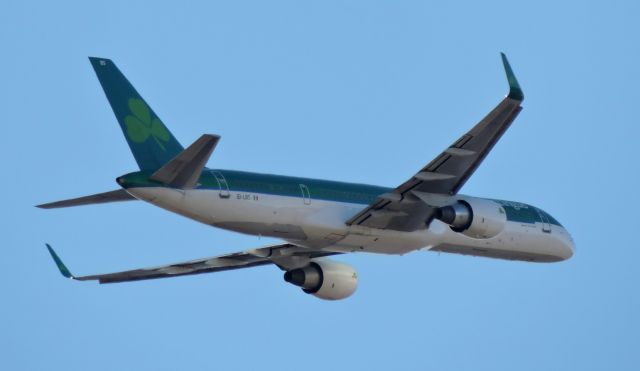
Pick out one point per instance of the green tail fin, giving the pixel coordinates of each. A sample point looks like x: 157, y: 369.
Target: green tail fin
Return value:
x: 149, y: 139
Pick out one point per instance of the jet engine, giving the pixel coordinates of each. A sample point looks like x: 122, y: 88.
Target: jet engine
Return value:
x: 325, y: 279
x: 474, y: 217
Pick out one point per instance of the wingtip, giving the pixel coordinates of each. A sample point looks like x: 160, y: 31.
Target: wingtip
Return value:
x: 61, y: 267
x: 515, y: 92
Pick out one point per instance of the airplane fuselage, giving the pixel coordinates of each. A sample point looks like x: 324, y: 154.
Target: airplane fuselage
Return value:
x: 314, y: 213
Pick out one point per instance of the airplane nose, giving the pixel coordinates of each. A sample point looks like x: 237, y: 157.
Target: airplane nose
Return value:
x: 568, y: 247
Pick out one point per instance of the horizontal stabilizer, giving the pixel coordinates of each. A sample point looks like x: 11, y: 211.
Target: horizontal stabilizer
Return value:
x: 184, y: 170
x: 99, y: 198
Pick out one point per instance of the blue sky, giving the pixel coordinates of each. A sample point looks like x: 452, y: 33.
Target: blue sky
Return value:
x: 362, y: 91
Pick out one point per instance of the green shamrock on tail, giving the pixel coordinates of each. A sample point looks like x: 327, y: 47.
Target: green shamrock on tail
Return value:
x: 140, y: 126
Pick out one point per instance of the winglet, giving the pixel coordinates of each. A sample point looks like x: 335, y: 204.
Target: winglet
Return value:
x: 63, y: 268
x: 515, y: 92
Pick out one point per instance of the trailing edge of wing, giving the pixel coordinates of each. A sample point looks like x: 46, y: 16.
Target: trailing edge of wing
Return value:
x: 98, y: 198
x: 285, y: 256
x: 184, y: 170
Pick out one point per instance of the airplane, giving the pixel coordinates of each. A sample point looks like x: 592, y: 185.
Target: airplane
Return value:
x: 318, y: 218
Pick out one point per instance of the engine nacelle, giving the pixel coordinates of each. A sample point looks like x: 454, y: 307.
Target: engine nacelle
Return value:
x: 474, y: 217
x: 325, y: 279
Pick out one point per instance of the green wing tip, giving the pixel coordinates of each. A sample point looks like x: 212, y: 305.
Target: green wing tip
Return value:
x: 515, y: 92
x: 63, y: 268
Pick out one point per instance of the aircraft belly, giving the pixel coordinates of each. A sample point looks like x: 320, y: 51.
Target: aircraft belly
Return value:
x: 324, y: 222
x: 257, y: 214
x: 518, y: 241
x: 379, y: 241
x: 171, y: 199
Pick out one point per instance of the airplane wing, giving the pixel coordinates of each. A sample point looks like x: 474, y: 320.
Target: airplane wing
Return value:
x: 411, y: 205
x: 286, y: 256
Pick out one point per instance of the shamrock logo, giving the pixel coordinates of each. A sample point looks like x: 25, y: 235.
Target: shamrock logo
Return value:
x: 140, y: 125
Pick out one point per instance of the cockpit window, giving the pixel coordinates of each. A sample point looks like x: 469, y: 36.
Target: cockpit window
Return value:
x: 523, y: 213
x: 551, y: 219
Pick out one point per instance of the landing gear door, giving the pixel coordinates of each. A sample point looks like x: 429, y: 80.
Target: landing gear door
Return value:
x: 222, y: 183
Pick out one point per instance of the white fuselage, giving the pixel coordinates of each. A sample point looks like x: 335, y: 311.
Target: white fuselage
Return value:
x: 320, y: 224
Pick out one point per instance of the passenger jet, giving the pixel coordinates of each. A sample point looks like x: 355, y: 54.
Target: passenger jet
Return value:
x: 318, y: 218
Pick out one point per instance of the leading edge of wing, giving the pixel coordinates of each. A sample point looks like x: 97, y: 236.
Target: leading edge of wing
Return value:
x: 285, y: 256
x: 445, y: 174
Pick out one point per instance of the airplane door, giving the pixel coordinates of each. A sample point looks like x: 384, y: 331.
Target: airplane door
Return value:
x: 222, y: 183
x: 306, y: 196
x: 546, y: 226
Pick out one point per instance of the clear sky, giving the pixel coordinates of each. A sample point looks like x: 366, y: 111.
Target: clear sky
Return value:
x: 362, y: 91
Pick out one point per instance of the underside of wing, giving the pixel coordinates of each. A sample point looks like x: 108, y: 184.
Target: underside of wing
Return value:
x: 411, y: 205
x: 286, y: 256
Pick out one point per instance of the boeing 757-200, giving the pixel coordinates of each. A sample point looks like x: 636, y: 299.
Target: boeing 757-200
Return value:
x: 318, y: 218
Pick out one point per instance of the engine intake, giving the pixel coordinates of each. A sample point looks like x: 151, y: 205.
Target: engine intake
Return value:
x: 310, y: 278
x: 325, y: 279
x: 474, y: 217
x: 459, y: 216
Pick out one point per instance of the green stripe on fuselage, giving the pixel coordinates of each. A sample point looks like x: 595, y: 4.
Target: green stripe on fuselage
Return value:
x: 240, y: 181
x: 290, y: 186
x: 278, y: 185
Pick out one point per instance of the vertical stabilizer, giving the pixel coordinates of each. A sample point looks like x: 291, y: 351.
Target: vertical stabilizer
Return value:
x: 151, y: 143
